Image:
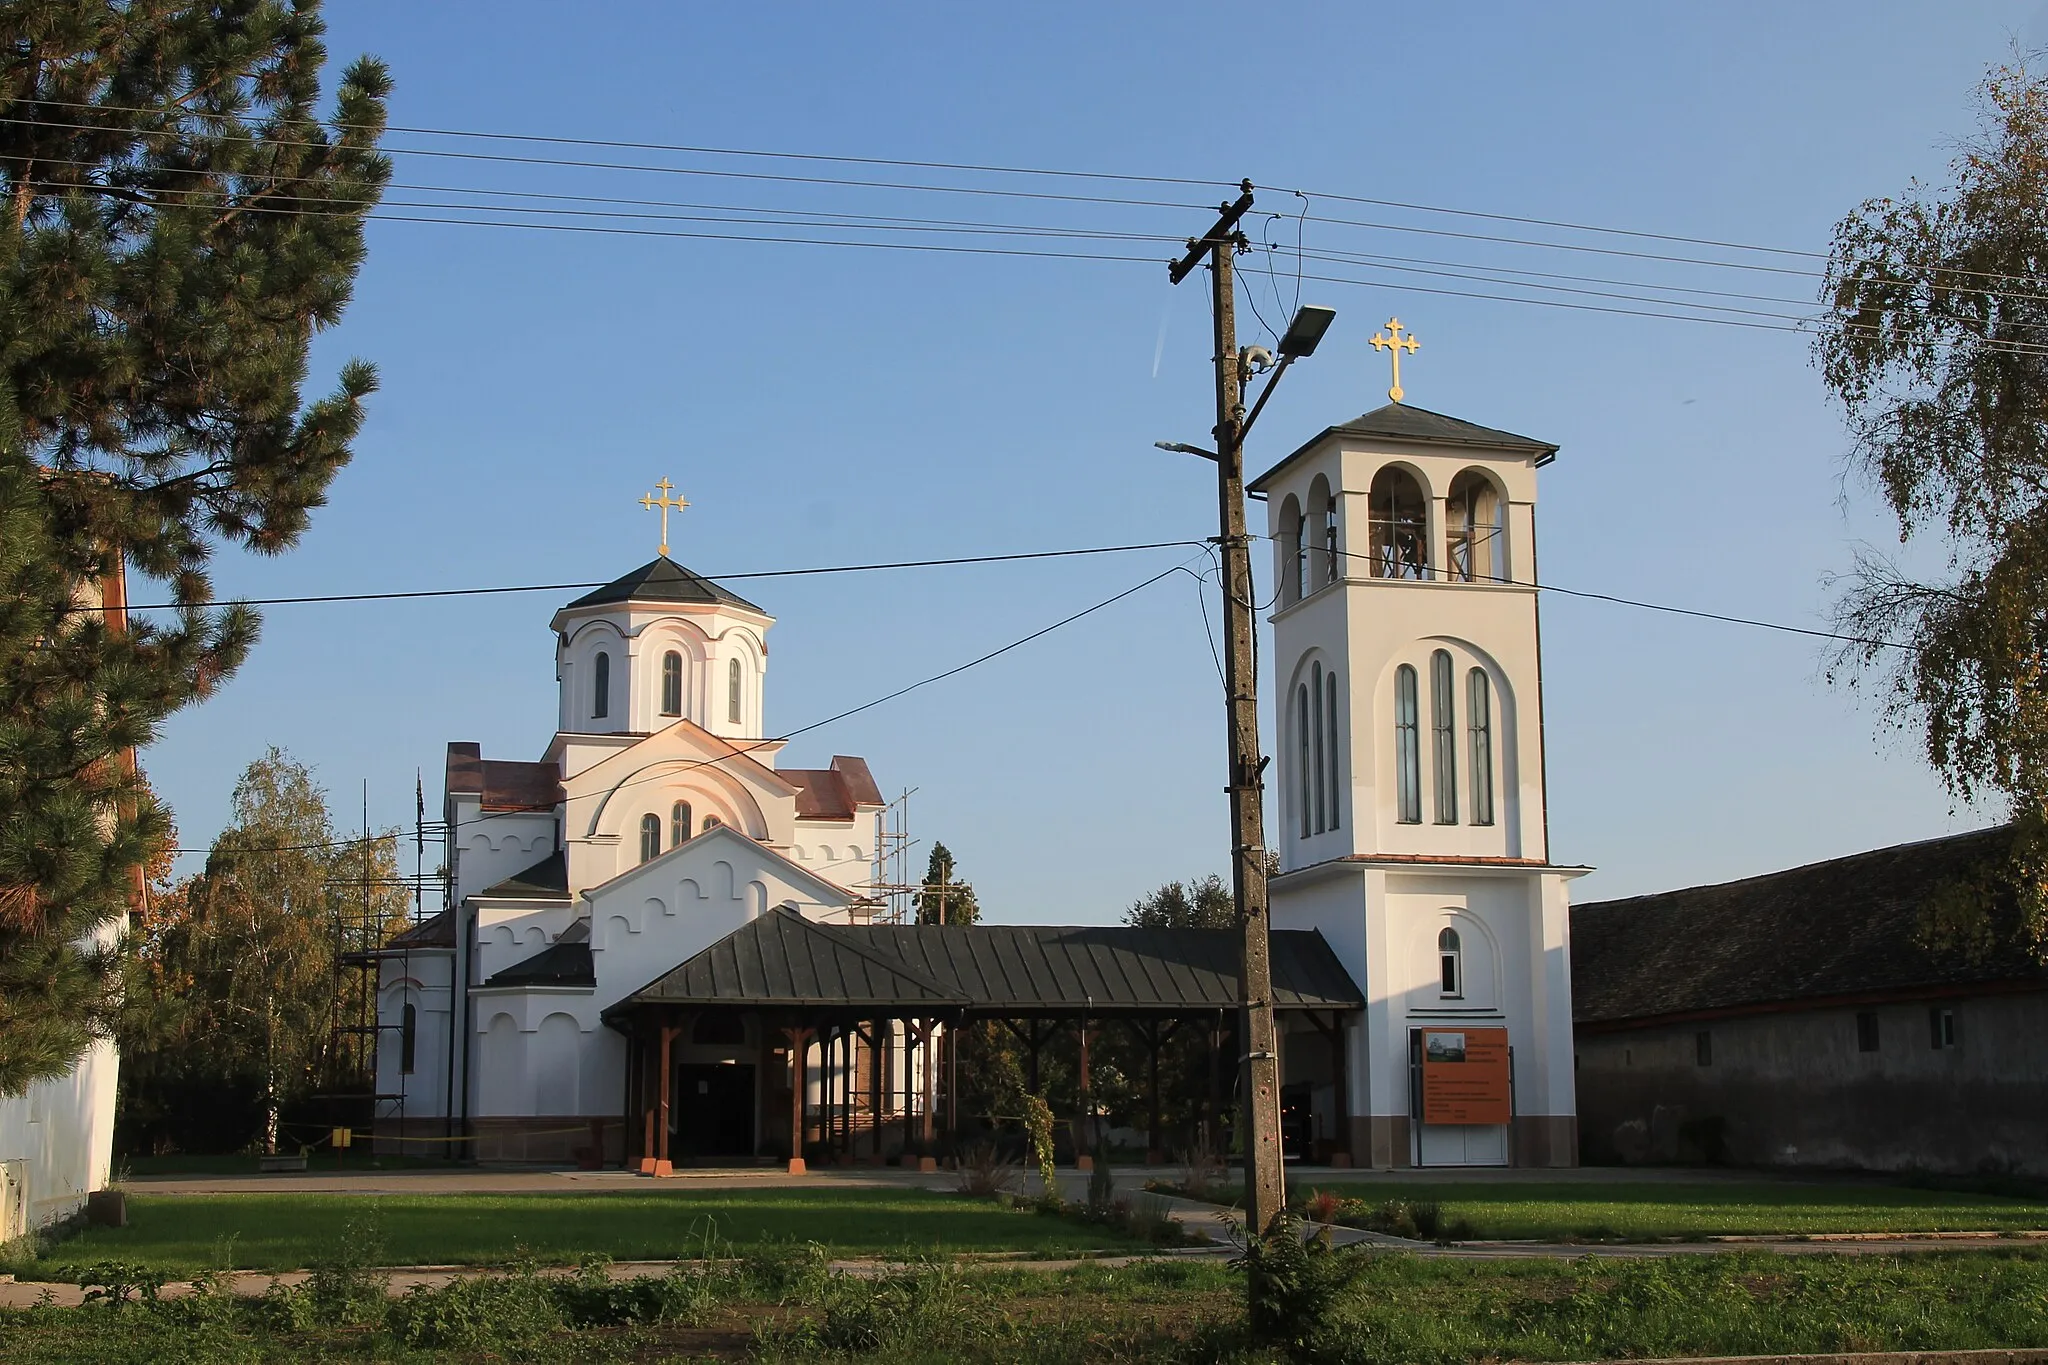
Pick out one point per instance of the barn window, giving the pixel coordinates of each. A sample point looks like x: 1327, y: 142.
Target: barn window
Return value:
x: 1941, y: 1028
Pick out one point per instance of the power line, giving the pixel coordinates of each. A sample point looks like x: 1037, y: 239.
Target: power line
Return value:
x: 416, y: 593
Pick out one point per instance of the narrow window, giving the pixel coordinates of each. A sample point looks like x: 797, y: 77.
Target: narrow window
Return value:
x: 650, y: 838
x: 679, y: 823
x: 1703, y: 1049
x: 1866, y: 1031
x: 1450, y: 960
x: 1479, y: 728
x: 1442, y: 719
x: 1941, y: 1028
x: 601, y: 686
x: 671, y: 684
x: 1336, y: 786
x: 1300, y: 583
x: 1322, y: 804
x: 408, y: 1038
x: 1302, y: 758
x: 732, y: 692
x: 1330, y: 571
x: 1407, y: 748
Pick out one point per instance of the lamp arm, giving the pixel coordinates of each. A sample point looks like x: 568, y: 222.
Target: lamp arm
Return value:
x: 1265, y: 393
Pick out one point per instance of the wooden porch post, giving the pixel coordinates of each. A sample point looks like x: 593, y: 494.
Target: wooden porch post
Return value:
x: 661, y: 1161
x: 928, y: 1037
x: 799, y: 1046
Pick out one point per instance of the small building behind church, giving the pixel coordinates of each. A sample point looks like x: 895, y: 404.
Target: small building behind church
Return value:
x: 1808, y: 1018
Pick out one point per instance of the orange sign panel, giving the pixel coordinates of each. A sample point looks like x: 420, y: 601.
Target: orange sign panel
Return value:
x: 1465, y: 1076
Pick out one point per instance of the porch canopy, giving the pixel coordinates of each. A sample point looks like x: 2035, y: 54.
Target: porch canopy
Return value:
x: 876, y: 1000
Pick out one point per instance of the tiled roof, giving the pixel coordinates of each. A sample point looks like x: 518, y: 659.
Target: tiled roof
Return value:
x: 661, y: 580
x: 1843, y: 928
x: 435, y: 931
x: 503, y: 784
x: 565, y: 962
x: 547, y: 879
x: 1400, y: 422
x: 834, y: 793
x: 783, y: 959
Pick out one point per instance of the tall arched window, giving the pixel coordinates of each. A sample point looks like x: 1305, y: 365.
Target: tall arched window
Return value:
x: 1472, y: 530
x: 1407, y: 748
x: 1300, y: 583
x: 601, y: 686
x: 1479, y: 729
x: 1322, y: 788
x: 732, y: 692
x: 1330, y: 728
x: 1450, y: 964
x: 650, y: 838
x: 1331, y: 571
x: 408, y: 1038
x: 679, y: 824
x: 671, y: 684
x: 1443, y: 727
x: 1400, y: 526
x: 1302, y: 760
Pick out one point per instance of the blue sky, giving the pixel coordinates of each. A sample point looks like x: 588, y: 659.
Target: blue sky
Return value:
x: 824, y: 405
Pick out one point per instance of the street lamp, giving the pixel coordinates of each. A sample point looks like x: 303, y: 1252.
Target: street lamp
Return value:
x: 1304, y: 334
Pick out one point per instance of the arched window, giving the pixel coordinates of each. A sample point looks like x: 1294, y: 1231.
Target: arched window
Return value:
x: 1407, y: 748
x: 1443, y: 727
x: 1331, y: 571
x: 1472, y: 530
x: 1299, y: 579
x: 732, y: 692
x: 1303, y: 760
x: 1479, y: 729
x: 601, y: 686
x: 712, y: 822
x: 650, y: 838
x: 679, y: 823
x: 671, y: 684
x: 1322, y: 788
x: 408, y: 1038
x: 1330, y: 728
x: 1450, y: 961
x: 1400, y: 526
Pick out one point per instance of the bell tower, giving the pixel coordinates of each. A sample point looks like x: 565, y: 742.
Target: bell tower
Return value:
x: 1408, y: 807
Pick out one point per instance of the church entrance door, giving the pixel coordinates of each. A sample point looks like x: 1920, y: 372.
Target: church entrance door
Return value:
x: 714, y: 1109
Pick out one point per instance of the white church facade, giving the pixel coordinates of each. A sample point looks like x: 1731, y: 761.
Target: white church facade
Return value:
x: 1408, y: 810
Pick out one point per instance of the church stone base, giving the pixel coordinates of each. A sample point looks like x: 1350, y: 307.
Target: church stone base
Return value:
x: 553, y: 1140
x: 1381, y: 1141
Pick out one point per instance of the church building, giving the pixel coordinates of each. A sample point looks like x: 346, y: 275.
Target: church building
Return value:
x: 1408, y: 814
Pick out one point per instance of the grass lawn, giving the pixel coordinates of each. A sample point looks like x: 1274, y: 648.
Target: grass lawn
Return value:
x: 1401, y: 1310
x: 185, y: 1234
x: 1645, y: 1211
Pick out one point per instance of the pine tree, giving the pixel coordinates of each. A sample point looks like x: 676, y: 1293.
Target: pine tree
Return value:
x: 944, y: 898
x: 177, y: 223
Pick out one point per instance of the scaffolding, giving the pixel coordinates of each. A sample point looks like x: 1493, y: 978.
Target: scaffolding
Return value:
x: 890, y: 894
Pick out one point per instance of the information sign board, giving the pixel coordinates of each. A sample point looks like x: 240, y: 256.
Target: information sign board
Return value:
x: 1465, y: 1076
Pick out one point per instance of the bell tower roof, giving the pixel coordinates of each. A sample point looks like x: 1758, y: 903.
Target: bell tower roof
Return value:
x: 1402, y: 422
x: 662, y: 580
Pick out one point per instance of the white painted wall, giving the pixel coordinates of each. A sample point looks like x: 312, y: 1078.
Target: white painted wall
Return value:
x: 58, y: 1139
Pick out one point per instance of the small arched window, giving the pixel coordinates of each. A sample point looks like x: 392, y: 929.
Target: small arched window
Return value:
x: 601, y: 686
x: 1302, y: 758
x: 1407, y: 748
x: 1443, y: 731
x: 732, y: 692
x: 1331, y: 572
x: 679, y: 824
x: 1330, y: 728
x: 1479, y: 729
x: 1400, y: 526
x: 650, y: 838
x: 408, y: 1038
x: 672, y: 684
x: 712, y: 822
x: 1450, y: 961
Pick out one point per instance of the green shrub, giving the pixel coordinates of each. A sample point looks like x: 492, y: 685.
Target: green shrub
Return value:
x: 1295, y: 1285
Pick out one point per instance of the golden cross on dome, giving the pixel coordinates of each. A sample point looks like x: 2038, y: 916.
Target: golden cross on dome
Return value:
x: 665, y: 503
x: 1382, y: 341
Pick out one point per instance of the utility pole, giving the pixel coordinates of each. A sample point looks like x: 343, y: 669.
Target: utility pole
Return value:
x: 1264, y: 1196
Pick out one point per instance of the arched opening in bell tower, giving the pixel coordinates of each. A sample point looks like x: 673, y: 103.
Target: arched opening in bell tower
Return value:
x: 1400, y: 526
x: 1472, y: 530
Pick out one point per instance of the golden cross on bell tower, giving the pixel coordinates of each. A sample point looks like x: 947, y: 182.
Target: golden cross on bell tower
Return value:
x: 665, y: 503
x: 1395, y: 343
